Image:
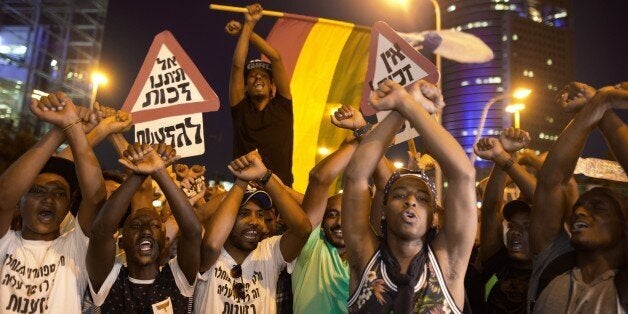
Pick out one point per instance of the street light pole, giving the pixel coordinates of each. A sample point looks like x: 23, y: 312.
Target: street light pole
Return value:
x: 438, y: 173
x: 519, y: 93
x: 487, y: 106
x: 97, y: 79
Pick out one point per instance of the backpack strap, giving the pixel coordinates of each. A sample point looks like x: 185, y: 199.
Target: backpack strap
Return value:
x: 621, y: 285
x: 558, y: 266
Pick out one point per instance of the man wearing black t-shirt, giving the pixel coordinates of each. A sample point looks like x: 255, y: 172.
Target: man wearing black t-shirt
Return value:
x: 261, y: 104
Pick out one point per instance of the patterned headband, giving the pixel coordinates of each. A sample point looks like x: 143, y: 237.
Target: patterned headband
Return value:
x: 417, y: 174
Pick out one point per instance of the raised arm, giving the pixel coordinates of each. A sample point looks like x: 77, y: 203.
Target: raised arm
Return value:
x: 513, y: 140
x: 116, y: 122
x: 101, y: 251
x: 576, y: 95
x: 188, y: 246
x: 220, y: 225
x: 236, y: 82
x: 459, y: 202
x: 454, y: 241
x: 18, y: 178
x: 280, y: 77
x: 613, y: 128
x: 326, y: 171
x: 361, y: 242
x: 88, y: 172
x: 549, y: 204
x: 491, y: 226
x: 251, y: 168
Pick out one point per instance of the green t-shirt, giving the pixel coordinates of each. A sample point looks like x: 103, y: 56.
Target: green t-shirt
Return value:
x: 320, y: 280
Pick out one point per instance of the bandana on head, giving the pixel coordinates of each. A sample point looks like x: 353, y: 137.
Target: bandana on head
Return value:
x: 405, y: 173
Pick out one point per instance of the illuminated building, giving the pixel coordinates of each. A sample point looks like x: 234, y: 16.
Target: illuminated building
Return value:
x: 48, y: 45
x: 532, y: 44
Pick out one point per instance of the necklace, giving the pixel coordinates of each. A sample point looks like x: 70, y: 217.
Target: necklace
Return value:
x: 35, y: 277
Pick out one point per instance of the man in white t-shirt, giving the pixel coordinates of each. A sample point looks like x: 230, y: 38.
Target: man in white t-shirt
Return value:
x: 42, y: 270
x: 238, y: 272
x: 142, y: 286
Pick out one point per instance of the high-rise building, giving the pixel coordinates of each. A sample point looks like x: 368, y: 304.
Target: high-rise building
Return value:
x: 532, y: 44
x: 48, y: 45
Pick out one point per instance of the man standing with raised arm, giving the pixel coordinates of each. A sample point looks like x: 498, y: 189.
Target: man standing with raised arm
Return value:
x: 578, y: 273
x: 238, y: 271
x: 260, y: 99
x: 43, y: 270
x: 415, y: 267
x: 142, y: 286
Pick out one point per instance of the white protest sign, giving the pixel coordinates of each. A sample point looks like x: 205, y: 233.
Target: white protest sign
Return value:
x: 168, y: 97
x: 184, y: 133
x: 391, y: 57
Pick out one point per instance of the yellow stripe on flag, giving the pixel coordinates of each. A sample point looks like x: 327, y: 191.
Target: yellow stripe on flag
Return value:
x: 310, y: 86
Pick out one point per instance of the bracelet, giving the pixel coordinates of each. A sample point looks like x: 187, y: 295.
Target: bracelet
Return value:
x: 508, y: 164
x: 67, y: 127
x: 362, y: 130
x: 265, y: 178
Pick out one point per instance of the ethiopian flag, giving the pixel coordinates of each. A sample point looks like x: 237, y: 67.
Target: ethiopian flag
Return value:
x: 327, y: 62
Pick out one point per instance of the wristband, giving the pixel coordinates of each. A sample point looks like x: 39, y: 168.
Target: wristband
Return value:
x: 265, y: 178
x: 508, y: 164
x: 67, y: 127
x: 362, y: 130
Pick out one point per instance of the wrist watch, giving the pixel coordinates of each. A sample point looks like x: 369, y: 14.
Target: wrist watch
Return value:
x: 362, y: 130
x: 263, y: 180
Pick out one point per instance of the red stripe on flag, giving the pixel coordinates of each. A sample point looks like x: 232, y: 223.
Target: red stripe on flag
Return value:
x: 288, y: 36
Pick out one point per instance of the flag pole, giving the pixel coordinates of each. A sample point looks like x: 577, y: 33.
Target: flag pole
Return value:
x: 228, y: 8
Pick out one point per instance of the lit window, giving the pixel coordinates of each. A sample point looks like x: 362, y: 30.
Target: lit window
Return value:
x: 525, y: 73
x: 464, y: 83
x: 504, y: 38
x: 541, y: 135
x: 475, y: 132
x: 531, y: 73
x: 451, y: 8
x: 549, y: 62
x: 515, y: 37
x: 465, y: 133
x: 478, y: 81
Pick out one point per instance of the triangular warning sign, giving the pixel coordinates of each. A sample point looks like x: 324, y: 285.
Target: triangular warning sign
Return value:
x: 391, y: 57
x: 168, y: 84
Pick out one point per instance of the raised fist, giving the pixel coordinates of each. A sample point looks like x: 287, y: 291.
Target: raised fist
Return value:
x: 488, y: 148
x: 248, y: 167
x: 347, y: 117
x: 233, y: 28
x: 513, y: 139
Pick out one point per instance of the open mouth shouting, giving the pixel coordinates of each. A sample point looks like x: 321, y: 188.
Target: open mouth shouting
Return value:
x: 258, y: 86
x: 46, y: 216
x: 515, y: 245
x: 578, y: 226
x: 336, y: 231
x: 146, y: 246
x: 409, y: 216
x: 251, y: 235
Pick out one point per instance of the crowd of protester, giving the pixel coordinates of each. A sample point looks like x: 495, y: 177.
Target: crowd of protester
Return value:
x: 77, y: 239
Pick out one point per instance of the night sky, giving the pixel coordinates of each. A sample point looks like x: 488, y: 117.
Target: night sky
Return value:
x: 599, y: 33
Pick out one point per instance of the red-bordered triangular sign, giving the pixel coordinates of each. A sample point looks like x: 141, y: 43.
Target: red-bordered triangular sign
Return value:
x: 168, y: 84
x: 392, y: 57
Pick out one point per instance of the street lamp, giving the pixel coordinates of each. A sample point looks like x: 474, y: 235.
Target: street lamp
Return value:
x: 97, y: 79
x: 516, y: 108
x: 519, y: 93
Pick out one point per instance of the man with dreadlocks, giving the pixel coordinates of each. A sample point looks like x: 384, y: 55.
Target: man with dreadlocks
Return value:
x: 414, y: 267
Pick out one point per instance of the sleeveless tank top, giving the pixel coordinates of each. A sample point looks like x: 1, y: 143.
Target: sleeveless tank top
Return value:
x: 376, y: 291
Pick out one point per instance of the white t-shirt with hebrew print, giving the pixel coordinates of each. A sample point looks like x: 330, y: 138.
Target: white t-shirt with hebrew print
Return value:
x: 43, y: 276
x: 260, y: 271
